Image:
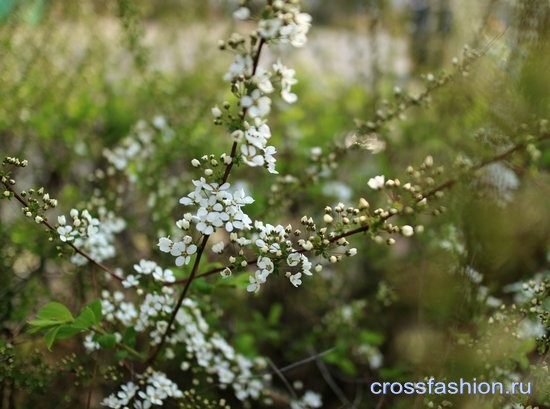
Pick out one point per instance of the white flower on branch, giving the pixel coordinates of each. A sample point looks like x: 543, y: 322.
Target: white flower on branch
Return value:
x: 296, y: 280
x: 257, y: 104
x: 286, y: 76
x: 377, y: 182
x: 95, y: 236
x: 242, y: 66
x: 269, y: 28
x: 261, y: 79
x: 218, y: 247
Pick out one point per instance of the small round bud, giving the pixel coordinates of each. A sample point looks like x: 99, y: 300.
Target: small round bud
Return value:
x: 407, y: 230
x: 216, y: 112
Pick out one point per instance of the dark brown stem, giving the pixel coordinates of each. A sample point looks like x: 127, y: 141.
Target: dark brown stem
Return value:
x: 243, y: 114
x: 156, y: 350
x: 154, y: 353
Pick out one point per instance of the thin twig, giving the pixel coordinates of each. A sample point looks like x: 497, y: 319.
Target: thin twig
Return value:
x: 44, y: 222
x: 332, y: 384
x: 158, y: 348
x: 279, y: 373
x: 446, y: 185
x: 89, y: 401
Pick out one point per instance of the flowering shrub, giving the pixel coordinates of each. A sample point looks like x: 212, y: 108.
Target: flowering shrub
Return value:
x: 166, y: 326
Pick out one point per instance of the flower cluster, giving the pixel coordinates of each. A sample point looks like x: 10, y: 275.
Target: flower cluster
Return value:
x: 254, y: 149
x: 274, y: 242
x: 310, y: 400
x: 93, y: 235
x: 215, y: 205
x: 191, y: 337
x: 214, y: 354
x: 500, y: 179
x: 150, y: 314
x: 155, y: 387
x: 148, y: 268
x: 281, y: 22
x: 131, y: 154
x: 286, y: 24
x: 218, y: 207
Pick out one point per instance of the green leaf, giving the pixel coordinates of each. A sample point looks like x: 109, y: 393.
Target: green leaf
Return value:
x: 246, y: 342
x: 95, y: 306
x: 129, y: 337
x: 107, y: 341
x: 86, y: 319
x: 67, y: 331
x: 55, y: 311
x: 201, y: 286
x: 50, y: 337
x: 341, y: 361
x: 275, y: 314
x: 40, y: 325
x: 120, y: 355
x: 239, y: 281
x: 371, y: 337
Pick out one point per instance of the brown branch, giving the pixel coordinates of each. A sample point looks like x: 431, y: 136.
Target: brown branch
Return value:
x: 154, y: 353
x: 156, y: 350
x: 446, y: 185
x: 487, y: 162
x: 78, y: 250
x: 92, y: 386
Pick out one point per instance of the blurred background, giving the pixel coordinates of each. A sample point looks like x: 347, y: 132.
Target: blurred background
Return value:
x: 77, y: 78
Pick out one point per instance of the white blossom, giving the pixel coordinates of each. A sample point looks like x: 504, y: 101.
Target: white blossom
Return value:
x: 93, y: 235
x: 257, y: 104
x: 218, y: 247
x: 216, y: 112
x: 269, y: 28
x: 376, y: 183
x: 242, y: 65
x: 242, y: 13
x: 296, y: 280
x: 130, y: 281
x: 407, y: 230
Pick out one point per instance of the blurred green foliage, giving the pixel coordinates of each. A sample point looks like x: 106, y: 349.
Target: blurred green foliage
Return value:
x: 77, y: 78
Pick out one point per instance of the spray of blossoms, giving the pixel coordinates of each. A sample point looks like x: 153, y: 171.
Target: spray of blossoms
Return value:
x: 149, y: 303
x: 213, y: 205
